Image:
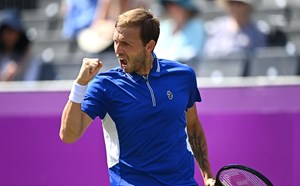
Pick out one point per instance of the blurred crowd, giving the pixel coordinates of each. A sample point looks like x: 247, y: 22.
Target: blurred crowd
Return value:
x: 184, y: 37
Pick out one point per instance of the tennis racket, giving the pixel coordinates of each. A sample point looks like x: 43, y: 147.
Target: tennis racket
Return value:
x: 240, y: 175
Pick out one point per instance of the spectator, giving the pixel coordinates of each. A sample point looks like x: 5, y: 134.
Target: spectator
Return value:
x: 16, y: 62
x: 96, y: 19
x: 77, y: 16
x: 182, y: 34
x: 234, y: 32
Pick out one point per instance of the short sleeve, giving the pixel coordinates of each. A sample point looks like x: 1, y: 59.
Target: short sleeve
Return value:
x: 194, y: 94
x: 95, y: 101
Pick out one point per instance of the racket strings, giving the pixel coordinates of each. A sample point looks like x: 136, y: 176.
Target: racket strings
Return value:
x: 238, y: 177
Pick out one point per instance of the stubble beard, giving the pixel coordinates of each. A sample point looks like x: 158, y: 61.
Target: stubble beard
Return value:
x: 139, y: 62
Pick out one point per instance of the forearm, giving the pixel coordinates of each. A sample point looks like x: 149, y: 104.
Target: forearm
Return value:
x: 102, y: 11
x: 71, y: 122
x: 123, y: 5
x: 198, y: 144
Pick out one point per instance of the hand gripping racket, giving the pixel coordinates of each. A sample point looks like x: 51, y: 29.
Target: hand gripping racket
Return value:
x: 239, y: 175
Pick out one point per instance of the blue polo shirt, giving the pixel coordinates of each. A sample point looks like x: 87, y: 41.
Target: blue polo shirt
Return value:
x: 144, y: 122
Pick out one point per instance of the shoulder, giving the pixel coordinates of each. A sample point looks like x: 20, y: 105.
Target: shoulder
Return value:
x: 167, y: 23
x: 217, y: 25
x: 255, y: 32
x: 195, y: 23
x: 170, y: 66
x: 114, y: 72
x: 256, y: 29
x: 108, y: 76
x: 222, y: 20
x: 194, y: 26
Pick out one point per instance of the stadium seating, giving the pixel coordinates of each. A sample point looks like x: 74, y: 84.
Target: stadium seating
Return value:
x: 274, y: 61
x: 43, y: 21
x: 67, y: 66
x: 232, y: 65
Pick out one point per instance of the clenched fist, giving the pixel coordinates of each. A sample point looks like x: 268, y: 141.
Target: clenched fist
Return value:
x: 89, y: 69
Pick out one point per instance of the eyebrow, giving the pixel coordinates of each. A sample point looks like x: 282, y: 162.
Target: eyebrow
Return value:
x: 122, y: 40
x: 115, y: 38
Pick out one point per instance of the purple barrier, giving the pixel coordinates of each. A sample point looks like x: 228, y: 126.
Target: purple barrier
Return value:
x: 258, y: 127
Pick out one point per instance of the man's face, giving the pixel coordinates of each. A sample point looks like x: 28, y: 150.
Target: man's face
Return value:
x: 239, y: 10
x: 129, y: 49
x: 10, y: 37
x: 177, y: 12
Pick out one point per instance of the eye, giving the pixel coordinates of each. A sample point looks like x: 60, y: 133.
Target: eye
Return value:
x: 124, y: 44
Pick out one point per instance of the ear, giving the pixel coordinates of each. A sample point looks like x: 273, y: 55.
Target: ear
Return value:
x: 150, y: 46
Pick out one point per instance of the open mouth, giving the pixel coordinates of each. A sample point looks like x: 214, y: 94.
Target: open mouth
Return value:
x: 123, y: 62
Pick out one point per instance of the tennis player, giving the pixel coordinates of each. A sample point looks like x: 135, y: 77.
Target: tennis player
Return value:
x: 148, y: 110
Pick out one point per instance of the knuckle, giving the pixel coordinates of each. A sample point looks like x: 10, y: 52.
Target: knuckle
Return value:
x: 85, y: 61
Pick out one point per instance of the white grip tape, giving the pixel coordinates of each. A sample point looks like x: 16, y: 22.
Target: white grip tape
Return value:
x: 77, y: 93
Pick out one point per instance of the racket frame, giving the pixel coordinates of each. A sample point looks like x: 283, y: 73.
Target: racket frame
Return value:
x: 244, y: 168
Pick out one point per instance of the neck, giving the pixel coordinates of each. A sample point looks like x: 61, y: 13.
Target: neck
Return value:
x: 147, y: 66
x: 179, y: 23
x: 240, y: 22
x: 177, y: 27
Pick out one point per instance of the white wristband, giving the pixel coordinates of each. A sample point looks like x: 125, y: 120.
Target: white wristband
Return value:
x: 77, y: 93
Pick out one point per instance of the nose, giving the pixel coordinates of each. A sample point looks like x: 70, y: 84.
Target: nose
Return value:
x: 118, y: 49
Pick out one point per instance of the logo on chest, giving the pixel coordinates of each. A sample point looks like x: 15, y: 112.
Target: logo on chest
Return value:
x: 170, y: 95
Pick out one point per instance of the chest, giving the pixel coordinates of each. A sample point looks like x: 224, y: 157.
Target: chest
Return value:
x: 148, y: 98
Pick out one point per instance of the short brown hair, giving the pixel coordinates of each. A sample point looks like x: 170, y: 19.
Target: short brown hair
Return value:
x: 143, y: 19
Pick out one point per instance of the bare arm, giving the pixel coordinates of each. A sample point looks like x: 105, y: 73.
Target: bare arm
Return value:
x: 198, y: 144
x: 74, y: 122
x: 102, y: 10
